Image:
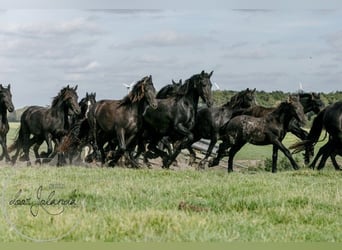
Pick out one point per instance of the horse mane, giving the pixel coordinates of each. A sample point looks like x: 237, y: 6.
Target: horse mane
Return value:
x: 183, y: 90
x: 136, y: 94
x: 60, y: 96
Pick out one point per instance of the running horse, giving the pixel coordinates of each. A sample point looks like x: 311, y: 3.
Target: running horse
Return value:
x: 329, y: 118
x: 175, y: 116
x: 265, y: 130
x: 78, y: 135
x: 119, y: 122
x: 210, y: 120
x: 5, y: 105
x: 45, y: 124
x: 311, y: 102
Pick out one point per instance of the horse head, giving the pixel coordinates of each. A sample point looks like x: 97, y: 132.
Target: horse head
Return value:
x: 144, y: 89
x: 316, y: 102
x: 296, y: 108
x: 203, y: 86
x: 244, y: 99
x: 68, y: 96
x: 6, y: 97
x: 87, y: 102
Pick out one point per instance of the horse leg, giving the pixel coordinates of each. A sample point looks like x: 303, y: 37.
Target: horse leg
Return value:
x: 286, y: 152
x: 26, y: 150
x: 220, y: 153
x: 334, y: 162
x: 4, y: 149
x: 131, y: 142
x: 320, y: 152
x: 186, y: 142
x: 274, y: 159
x: 36, y: 151
x: 209, y: 151
x: 295, y: 129
x: 192, y: 154
x: 327, y: 152
x: 232, y: 152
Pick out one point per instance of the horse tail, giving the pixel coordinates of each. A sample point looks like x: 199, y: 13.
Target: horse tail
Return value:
x: 18, y: 142
x: 316, y: 128
x: 313, y: 136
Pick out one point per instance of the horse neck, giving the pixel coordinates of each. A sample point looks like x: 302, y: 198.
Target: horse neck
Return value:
x: 60, y: 112
x: 305, y: 101
x: 282, y: 116
x: 3, y: 113
x: 192, y: 94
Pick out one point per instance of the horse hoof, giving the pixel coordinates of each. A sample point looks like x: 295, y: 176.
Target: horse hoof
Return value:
x: 230, y: 170
x: 201, y: 165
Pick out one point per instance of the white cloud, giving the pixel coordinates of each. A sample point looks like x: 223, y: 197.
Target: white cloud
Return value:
x: 168, y: 38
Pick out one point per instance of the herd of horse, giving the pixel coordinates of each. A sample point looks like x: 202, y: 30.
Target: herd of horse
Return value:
x: 149, y: 124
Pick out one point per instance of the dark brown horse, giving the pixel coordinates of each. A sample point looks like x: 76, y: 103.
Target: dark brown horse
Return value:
x: 175, y: 116
x: 5, y: 105
x: 45, y: 124
x: 329, y: 118
x: 78, y: 136
x: 269, y: 129
x: 210, y: 120
x: 119, y: 122
x: 311, y: 102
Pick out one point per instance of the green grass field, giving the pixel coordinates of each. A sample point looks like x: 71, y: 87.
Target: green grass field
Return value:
x: 126, y: 205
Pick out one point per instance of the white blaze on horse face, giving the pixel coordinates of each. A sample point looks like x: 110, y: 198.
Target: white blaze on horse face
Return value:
x: 88, y: 107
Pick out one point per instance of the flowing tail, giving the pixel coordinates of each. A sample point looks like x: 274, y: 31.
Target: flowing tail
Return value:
x: 17, y: 144
x: 313, y: 136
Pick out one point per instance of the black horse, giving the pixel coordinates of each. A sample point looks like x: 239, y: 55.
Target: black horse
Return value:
x: 329, y: 118
x: 210, y: 120
x: 45, y: 124
x: 5, y: 105
x: 169, y: 90
x: 311, y: 102
x: 78, y: 135
x: 269, y: 129
x: 119, y: 122
x: 175, y: 116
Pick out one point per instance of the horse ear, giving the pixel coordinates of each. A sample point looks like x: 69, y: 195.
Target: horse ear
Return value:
x: 9, y: 86
x: 75, y: 87
x: 180, y: 81
x: 202, y: 73
x: 315, y: 95
x: 254, y: 90
x: 87, y: 95
x: 211, y: 73
x: 173, y: 82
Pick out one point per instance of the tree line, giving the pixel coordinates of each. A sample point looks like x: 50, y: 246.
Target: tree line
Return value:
x: 267, y: 99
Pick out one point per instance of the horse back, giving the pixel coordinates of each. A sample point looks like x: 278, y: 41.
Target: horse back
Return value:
x: 32, y: 119
x: 333, y: 119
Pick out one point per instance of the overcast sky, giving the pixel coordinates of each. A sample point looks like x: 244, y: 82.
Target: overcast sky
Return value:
x: 44, y: 50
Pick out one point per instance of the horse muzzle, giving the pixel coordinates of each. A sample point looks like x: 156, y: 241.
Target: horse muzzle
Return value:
x: 10, y: 108
x: 154, y: 105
